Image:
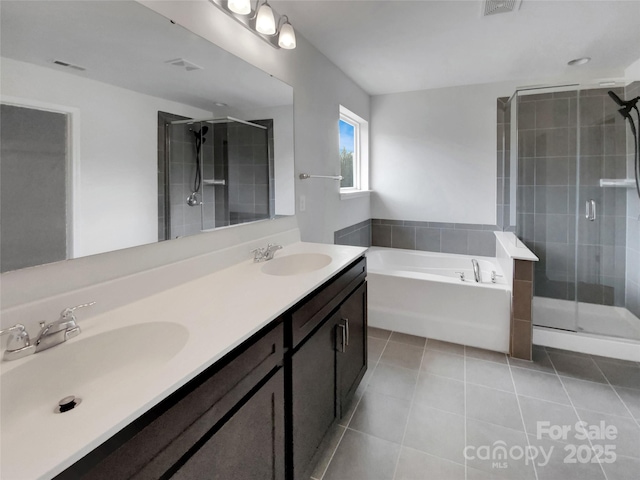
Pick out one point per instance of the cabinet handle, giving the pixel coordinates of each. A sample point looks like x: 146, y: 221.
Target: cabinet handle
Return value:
x: 343, y: 339
x: 346, y: 324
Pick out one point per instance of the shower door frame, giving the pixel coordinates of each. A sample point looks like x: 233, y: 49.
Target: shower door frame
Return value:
x: 514, y: 104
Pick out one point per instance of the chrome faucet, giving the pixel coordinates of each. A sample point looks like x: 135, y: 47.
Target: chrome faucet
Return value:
x: 61, y: 330
x: 477, y: 274
x: 265, y: 253
x: 19, y: 344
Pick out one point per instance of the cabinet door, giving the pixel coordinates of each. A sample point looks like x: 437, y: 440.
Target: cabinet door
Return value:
x: 250, y: 445
x: 352, y: 356
x: 314, y: 388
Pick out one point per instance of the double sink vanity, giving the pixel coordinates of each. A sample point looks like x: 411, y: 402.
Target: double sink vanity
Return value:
x: 238, y: 374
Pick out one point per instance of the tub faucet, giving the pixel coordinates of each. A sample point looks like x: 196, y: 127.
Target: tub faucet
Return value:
x: 476, y: 270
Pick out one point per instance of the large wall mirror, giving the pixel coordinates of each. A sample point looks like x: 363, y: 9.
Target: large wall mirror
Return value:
x: 120, y: 128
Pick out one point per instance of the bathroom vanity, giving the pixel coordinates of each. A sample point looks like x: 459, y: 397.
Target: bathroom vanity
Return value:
x: 260, y: 406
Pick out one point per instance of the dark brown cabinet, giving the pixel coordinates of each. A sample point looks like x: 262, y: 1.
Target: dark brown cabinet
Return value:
x: 351, y: 359
x: 327, y: 366
x: 250, y: 445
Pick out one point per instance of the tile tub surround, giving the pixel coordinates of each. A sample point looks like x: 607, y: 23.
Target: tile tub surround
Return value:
x: 417, y: 410
x: 461, y: 238
x: 521, y: 311
x: 358, y: 235
x: 517, y: 264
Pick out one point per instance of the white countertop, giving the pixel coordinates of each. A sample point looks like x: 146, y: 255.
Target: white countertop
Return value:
x: 219, y: 311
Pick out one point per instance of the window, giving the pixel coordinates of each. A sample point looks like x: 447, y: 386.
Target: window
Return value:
x: 353, y: 136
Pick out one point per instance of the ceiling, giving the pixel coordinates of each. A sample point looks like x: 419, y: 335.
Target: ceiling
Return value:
x: 396, y: 46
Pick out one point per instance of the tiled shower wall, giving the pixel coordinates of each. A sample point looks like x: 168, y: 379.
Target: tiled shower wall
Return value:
x: 548, y: 171
x: 239, y: 154
x: 503, y: 149
x: 633, y: 222
x: 185, y: 220
x: 250, y: 171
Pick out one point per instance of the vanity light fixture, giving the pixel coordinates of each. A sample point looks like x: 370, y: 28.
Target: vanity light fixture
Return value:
x: 263, y: 21
x: 287, y: 37
x: 241, y: 7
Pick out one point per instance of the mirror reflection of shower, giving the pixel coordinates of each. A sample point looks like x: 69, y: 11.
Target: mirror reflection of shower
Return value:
x: 217, y: 172
x: 625, y: 111
x: 199, y: 135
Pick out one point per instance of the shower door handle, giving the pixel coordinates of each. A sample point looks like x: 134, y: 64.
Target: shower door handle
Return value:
x: 590, y: 210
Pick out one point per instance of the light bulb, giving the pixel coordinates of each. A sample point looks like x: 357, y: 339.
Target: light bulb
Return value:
x: 242, y: 7
x: 265, y: 22
x: 287, y: 38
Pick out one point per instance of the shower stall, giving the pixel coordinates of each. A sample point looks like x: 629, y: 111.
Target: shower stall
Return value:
x: 213, y: 173
x: 567, y: 189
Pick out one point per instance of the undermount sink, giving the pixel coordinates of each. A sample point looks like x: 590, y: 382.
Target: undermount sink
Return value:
x: 89, y: 368
x: 296, y: 264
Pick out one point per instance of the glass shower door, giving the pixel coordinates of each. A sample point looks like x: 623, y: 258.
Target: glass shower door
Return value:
x: 601, y: 253
x: 546, y: 137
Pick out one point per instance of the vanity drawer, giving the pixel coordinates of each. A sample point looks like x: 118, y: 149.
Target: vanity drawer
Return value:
x: 152, y: 445
x: 314, y: 309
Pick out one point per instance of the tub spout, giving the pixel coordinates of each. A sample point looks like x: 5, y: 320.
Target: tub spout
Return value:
x: 476, y: 270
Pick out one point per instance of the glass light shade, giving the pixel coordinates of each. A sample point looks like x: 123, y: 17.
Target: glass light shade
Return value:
x: 242, y: 7
x: 265, y: 22
x: 287, y: 38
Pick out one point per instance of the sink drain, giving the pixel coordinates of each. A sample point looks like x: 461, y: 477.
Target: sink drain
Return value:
x: 67, y: 403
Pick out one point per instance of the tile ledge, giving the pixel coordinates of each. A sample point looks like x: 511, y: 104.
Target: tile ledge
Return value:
x: 508, y: 242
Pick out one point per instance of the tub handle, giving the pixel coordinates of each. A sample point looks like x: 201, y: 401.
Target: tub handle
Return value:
x: 346, y: 325
x: 461, y: 276
x: 343, y: 342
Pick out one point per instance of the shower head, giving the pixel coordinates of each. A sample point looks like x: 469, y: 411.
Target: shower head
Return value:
x: 192, y: 200
x: 202, y: 132
x: 624, y: 103
x: 616, y: 98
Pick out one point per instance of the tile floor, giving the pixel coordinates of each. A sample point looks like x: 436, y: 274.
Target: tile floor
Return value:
x: 423, y: 403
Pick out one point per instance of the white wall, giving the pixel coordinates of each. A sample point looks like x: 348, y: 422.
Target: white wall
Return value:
x: 115, y: 172
x: 434, y: 154
x: 632, y: 72
x: 319, y: 89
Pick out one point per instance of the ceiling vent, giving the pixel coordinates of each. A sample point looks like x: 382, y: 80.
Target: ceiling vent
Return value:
x: 182, y: 63
x: 493, y: 7
x: 69, y: 65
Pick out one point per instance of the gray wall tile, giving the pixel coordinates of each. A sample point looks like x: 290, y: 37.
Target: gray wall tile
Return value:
x: 428, y: 239
x: 454, y: 241
x: 403, y: 237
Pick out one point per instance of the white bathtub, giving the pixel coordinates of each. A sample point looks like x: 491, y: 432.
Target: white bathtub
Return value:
x: 420, y: 293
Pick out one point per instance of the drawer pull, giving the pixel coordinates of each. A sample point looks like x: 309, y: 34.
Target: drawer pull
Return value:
x: 346, y: 325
